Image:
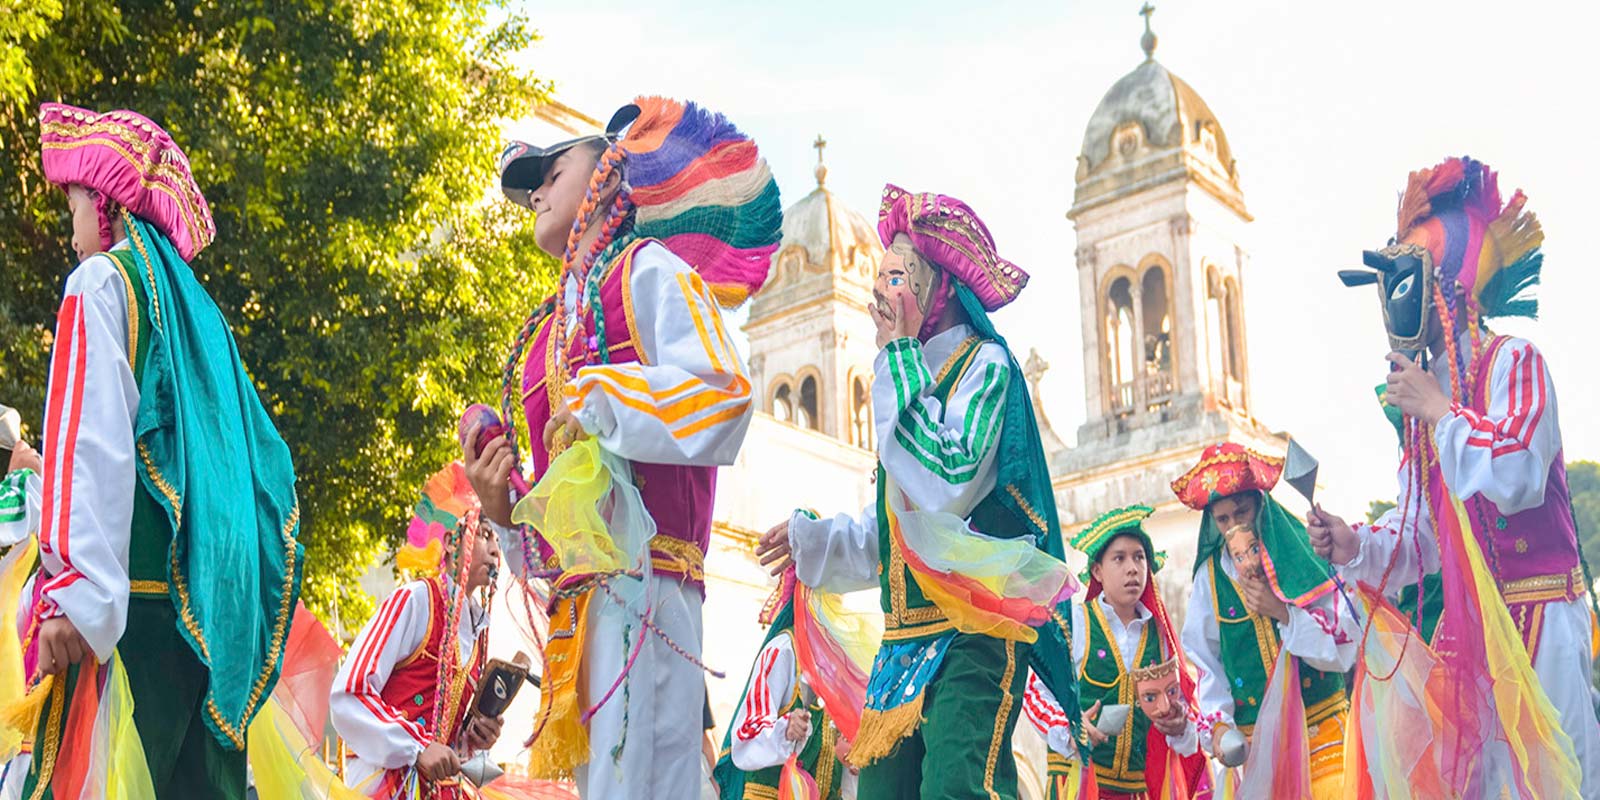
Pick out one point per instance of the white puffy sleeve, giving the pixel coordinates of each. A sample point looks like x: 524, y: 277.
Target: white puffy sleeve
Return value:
x: 759, y: 726
x: 687, y: 400
x: 89, y: 460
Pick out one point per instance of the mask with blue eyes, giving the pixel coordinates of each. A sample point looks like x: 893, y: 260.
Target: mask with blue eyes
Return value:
x: 1403, y: 274
x: 911, y: 270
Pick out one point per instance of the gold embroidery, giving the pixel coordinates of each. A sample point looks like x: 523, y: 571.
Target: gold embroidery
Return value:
x: 133, y: 310
x: 1220, y: 458
x: 677, y: 557
x: 143, y: 164
x: 427, y: 636
x: 753, y: 791
x: 957, y: 357
x: 1542, y: 588
x: 1001, y: 717
x: 1022, y: 502
x: 1118, y: 773
x: 148, y: 587
x: 826, y: 760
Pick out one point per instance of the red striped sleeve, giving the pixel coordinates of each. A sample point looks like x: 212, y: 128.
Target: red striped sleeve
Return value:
x: 1526, y: 395
x: 384, y: 713
x: 376, y: 640
x: 54, y: 527
x: 758, y: 700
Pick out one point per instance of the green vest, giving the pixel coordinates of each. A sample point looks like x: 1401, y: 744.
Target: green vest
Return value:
x: 1250, y: 649
x: 150, y: 543
x: 908, y: 615
x: 1425, y: 618
x: 817, y: 757
x: 1118, y: 761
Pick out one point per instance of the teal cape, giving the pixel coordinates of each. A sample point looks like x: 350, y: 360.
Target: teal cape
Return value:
x: 1025, y: 490
x: 213, y: 460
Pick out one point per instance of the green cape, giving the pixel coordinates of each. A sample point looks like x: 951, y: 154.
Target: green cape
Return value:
x: 213, y: 460
x: 1297, y: 573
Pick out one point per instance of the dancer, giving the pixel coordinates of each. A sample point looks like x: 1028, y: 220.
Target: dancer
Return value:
x: 780, y: 716
x: 169, y: 511
x: 959, y: 453
x: 631, y: 364
x: 1483, y: 497
x: 401, y: 699
x: 1259, y: 589
x: 1121, y: 634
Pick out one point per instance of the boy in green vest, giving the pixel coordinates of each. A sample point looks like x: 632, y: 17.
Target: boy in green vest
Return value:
x: 958, y: 438
x: 1119, y: 631
x: 1258, y: 588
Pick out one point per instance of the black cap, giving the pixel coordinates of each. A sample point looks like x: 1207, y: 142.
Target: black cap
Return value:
x: 523, y: 165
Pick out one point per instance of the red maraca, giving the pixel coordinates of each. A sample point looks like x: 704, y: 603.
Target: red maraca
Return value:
x: 489, y: 426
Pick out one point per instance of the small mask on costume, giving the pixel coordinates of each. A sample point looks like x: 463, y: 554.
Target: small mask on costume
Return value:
x: 1158, y: 691
x: 1404, y: 276
x: 903, y: 267
x: 1245, y: 548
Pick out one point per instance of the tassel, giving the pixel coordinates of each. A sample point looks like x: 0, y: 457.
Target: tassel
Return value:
x: 881, y: 731
x: 22, y: 716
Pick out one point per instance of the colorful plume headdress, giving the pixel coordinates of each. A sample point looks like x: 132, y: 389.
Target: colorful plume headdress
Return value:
x: 703, y: 189
x: 447, y: 496
x: 1489, y: 248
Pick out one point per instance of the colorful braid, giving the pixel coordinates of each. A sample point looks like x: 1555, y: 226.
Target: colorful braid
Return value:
x: 607, y: 163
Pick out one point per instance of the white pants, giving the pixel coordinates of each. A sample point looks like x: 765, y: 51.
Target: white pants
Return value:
x: 656, y: 715
x: 1564, y: 670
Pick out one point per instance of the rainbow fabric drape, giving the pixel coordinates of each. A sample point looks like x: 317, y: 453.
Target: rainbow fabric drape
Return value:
x: 1279, y: 765
x: 994, y: 587
x: 835, y: 647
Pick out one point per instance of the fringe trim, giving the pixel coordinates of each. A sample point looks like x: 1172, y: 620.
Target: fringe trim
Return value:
x: 881, y: 731
x: 22, y: 715
x: 563, y: 745
x: 1515, y: 231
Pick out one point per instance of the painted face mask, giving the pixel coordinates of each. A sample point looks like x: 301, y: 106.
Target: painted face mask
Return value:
x: 1158, y: 691
x: 1245, y: 548
x: 903, y: 267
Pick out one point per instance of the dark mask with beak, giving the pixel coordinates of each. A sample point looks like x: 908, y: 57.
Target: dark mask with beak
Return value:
x: 1404, y: 276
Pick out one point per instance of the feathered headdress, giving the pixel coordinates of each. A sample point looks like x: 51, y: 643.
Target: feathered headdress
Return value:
x: 446, y: 498
x: 702, y: 188
x: 1489, y: 248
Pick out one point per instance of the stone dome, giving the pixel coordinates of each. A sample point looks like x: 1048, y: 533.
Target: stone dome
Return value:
x: 823, y: 225
x: 1171, y: 113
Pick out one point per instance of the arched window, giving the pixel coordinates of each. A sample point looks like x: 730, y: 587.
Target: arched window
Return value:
x: 1235, y: 329
x: 1216, y: 331
x: 1120, y: 336
x: 807, y: 411
x: 861, y: 414
x: 783, y: 404
x: 1157, y: 348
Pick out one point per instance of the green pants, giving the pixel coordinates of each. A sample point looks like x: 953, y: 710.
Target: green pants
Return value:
x: 962, y: 750
x: 168, y: 683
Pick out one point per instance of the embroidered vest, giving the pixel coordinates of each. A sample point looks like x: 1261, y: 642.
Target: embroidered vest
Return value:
x: 1118, y: 761
x: 413, y: 685
x: 908, y: 614
x: 677, y: 497
x: 150, y: 539
x: 1250, y: 650
x: 1534, y: 553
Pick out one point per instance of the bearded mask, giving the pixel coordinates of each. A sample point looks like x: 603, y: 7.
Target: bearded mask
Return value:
x: 1404, y: 276
x: 903, y: 266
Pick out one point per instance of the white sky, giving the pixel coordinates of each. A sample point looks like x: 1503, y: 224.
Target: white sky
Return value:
x: 1327, y: 106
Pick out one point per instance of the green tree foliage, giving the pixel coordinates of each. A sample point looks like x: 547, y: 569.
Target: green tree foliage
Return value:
x: 1376, y: 509
x: 1583, y: 479
x: 347, y: 148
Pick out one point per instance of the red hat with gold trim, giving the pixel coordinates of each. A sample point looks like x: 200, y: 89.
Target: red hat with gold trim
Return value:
x: 1226, y: 468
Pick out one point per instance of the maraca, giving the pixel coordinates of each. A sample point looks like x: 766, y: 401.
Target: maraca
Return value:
x: 489, y: 426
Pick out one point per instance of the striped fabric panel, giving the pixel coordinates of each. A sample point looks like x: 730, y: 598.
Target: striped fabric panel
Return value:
x: 14, y: 496
x: 955, y: 458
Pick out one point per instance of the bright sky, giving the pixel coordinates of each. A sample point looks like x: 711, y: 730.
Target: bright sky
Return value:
x: 1327, y: 106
